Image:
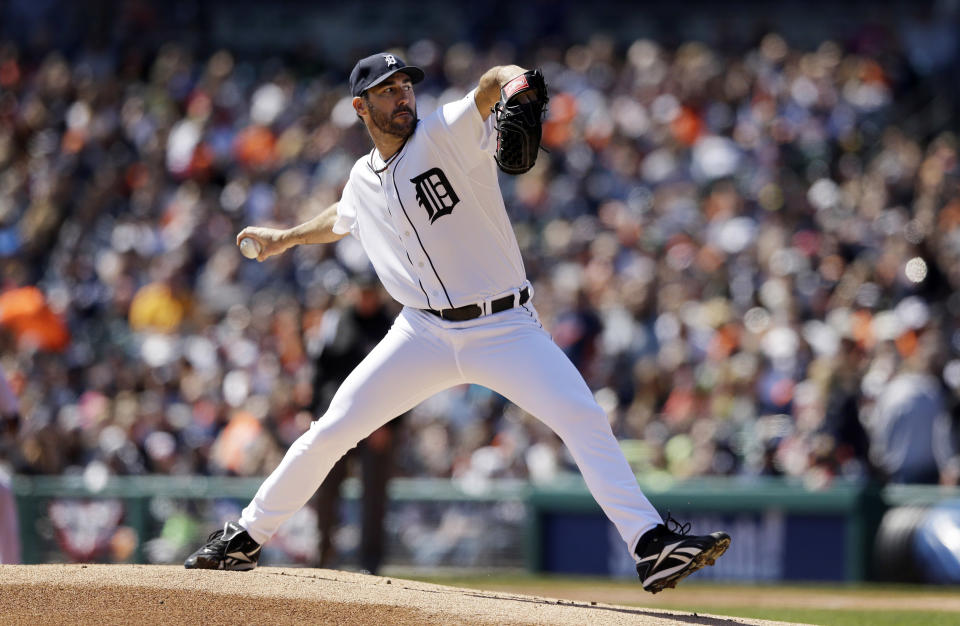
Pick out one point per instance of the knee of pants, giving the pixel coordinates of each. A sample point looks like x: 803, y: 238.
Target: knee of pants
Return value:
x: 331, y: 436
x: 581, y: 418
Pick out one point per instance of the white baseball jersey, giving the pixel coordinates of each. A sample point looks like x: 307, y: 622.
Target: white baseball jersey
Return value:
x: 435, y: 228
x: 433, y: 221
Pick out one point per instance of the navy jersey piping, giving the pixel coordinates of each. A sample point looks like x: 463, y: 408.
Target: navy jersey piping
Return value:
x: 422, y: 247
x: 402, y: 245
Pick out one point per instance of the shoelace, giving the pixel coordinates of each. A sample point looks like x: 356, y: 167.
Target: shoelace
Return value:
x: 677, y: 527
x: 214, y: 535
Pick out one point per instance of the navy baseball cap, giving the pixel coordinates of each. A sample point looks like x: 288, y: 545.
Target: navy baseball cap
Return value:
x: 377, y: 68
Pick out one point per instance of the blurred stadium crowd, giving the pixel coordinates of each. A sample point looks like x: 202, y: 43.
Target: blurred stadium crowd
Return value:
x: 753, y: 256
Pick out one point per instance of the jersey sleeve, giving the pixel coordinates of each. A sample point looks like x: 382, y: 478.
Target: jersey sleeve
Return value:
x: 469, y: 135
x: 347, y: 210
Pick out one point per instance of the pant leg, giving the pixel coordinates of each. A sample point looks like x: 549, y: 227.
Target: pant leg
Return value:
x: 517, y: 358
x: 406, y: 367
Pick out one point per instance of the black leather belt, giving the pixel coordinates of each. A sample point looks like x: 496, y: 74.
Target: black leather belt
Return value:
x: 473, y: 311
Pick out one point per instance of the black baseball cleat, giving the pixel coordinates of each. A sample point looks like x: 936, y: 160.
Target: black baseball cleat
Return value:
x: 666, y: 556
x: 229, y: 549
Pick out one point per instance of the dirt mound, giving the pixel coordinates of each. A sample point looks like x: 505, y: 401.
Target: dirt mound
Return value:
x: 125, y: 594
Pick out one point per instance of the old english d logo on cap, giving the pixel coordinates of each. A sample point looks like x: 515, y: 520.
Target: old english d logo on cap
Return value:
x: 376, y: 68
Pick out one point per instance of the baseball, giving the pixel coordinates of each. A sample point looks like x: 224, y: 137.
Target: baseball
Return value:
x: 249, y: 248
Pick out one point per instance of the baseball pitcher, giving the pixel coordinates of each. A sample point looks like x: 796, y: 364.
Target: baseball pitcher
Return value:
x: 426, y: 206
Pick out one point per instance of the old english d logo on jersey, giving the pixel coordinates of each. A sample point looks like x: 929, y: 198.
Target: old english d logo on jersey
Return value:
x: 435, y: 194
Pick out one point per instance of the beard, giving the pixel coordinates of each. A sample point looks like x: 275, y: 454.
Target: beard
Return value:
x: 390, y: 124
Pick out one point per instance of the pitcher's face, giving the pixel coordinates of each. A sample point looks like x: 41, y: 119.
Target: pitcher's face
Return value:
x: 391, y: 106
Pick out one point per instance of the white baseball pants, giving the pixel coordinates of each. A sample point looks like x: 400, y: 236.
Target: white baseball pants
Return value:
x: 421, y: 355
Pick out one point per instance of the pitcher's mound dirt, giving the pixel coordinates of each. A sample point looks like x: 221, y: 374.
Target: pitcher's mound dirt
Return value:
x: 151, y: 594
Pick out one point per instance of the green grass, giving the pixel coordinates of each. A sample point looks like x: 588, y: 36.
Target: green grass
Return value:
x: 832, y: 617
x: 870, y: 604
